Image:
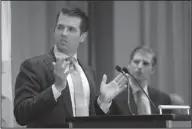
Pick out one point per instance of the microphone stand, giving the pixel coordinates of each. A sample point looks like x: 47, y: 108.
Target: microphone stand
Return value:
x: 126, y: 71
x: 121, y: 71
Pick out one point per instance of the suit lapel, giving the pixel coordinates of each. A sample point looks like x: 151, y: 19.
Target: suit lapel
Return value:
x: 124, y: 103
x: 48, y: 61
x: 154, y: 99
x: 89, y: 76
x: 65, y: 95
x: 133, y: 105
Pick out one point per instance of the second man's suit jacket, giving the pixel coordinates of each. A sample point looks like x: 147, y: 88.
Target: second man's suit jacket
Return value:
x: 120, y: 103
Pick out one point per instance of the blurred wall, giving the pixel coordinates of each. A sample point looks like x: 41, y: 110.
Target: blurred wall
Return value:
x: 126, y: 30
x: 166, y: 28
x: 1, y: 67
x: 101, y: 39
x: 29, y: 32
x: 6, y: 97
x: 114, y: 32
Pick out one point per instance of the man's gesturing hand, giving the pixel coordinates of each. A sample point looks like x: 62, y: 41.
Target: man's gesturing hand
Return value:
x: 111, y: 90
x: 61, y: 70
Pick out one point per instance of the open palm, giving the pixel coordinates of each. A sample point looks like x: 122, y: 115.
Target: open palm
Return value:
x: 112, y: 89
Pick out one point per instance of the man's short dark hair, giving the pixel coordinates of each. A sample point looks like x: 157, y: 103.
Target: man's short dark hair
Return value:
x: 146, y: 49
x: 76, y: 12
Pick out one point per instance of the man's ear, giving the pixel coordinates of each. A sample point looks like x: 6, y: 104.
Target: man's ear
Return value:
x: 129, y: 66
x: 83, y: 37
x: 152, y: 69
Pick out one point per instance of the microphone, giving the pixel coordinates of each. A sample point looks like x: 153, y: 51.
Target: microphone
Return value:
x: 125, y: 70
x: 119, y: 69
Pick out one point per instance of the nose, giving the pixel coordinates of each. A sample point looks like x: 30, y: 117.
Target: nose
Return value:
x: 140, y: 65
x: 64, y: 33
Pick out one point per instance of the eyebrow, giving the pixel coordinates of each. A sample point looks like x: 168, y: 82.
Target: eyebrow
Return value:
x: 60, y: 25
x: 67, y: 25
x: 140, y: 60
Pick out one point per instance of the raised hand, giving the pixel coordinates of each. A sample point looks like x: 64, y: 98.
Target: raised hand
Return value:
x: 61, y: 70
x: 111, y: 90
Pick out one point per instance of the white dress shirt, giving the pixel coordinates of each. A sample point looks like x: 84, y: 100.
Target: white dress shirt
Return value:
x: 85, y: 82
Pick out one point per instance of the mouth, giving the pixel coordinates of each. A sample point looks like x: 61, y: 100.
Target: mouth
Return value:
x: 63, y: 42
x: 139, y: 74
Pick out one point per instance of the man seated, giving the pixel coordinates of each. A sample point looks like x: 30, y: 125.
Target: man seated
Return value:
x: 141, y: 66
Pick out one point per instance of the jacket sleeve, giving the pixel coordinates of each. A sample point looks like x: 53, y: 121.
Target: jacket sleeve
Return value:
x: 31, y: 99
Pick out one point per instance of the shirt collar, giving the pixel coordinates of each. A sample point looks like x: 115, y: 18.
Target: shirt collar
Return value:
x: 62, y: 55
x: 136, y: 88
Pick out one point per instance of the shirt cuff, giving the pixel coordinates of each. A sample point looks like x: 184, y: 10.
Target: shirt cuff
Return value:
x: 104, y: 106
x: 56, y: 93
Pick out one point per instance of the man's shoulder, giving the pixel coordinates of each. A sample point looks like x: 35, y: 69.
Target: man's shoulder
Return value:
x: 36, y: 59
x: 84, y: 65
x: 157, y: 92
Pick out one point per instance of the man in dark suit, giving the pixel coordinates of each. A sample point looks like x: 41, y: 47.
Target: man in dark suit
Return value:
x: 141, y: 66
x: 53, y: 87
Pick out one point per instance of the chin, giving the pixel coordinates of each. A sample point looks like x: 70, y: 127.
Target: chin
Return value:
x: 63, y: 50
x: 140, y: 78
x: 61, y: 46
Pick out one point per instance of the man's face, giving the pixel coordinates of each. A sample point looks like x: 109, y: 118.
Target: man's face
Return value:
x: 68, y: 34
x: 141, y: 65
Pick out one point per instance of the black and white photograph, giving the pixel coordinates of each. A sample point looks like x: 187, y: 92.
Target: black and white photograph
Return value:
x: 96, y: 64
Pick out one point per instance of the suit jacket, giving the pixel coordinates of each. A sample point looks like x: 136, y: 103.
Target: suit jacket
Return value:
x: 34, y: 103
x: 120, y: 103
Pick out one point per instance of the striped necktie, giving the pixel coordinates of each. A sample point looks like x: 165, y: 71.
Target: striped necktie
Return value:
x: 81, y: 109
x: 142, y: 107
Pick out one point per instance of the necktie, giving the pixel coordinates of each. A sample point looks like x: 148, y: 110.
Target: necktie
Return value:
x: 142, y: 106
x: 79, y: 97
